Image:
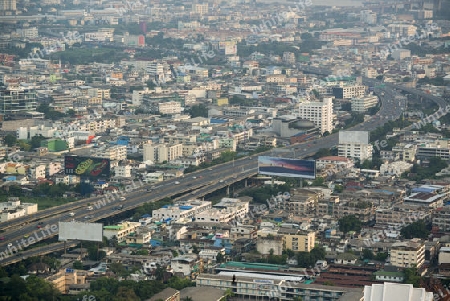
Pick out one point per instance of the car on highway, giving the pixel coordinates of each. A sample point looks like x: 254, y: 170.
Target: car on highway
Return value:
x: 122, y: 198
x: 26, y: 236
x: 71, y: 214
x: 89, y: 208
x: 221, y: 181
x: 39, y: 226
x: 10, y: 245
x: 194, y: 177
x: 177, y: 182
x: 2, y: 238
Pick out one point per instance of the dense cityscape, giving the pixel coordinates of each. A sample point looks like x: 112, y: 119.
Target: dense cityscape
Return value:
x: 211, y: 150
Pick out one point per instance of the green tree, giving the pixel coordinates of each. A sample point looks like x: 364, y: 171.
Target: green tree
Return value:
x: 36, y: 141
x: 349, y: 223
x: 199, y: 111
x: 228, y: 294
x: 381, y: 256
x: 220, y: 258
x: 180, y: 283
x: 367, y: 254
x: 318, y: 253
x: 126, y: 294
x: 412, y: 276
x: 10, y: 140
x: 323, y: 152
x: 78, y: 265
x: 338, y: 188
x: 119, y: 269
x: 415, y: 230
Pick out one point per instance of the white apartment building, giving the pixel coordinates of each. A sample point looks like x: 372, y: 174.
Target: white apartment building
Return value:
x: 200, y: 8
x: 67, y: 179
x: 370, y: 72
x: 183, y: 210
x: 120, y: 231
x: 122, y: 171
x: 400, y: 54
x: 402, y: 29
x: 395, y: 168
x: 369, y: 17
x: 170, y: 107
x: 226, y: 210
x: 355, y: 144
x: 407, y: 254
x: 37, y: 172
x: 340, y: 163
x: 13, y: 208
x: 158, y: 153
x: 116, y: 152
x: 321, y: 113
x: 53, y: 168
x: 362, y: 104
x: 349, y: 91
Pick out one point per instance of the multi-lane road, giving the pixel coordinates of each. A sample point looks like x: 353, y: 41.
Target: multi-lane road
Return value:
x: 205, y: 180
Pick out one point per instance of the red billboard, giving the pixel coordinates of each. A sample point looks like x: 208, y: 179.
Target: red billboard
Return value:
x: 87, y: 166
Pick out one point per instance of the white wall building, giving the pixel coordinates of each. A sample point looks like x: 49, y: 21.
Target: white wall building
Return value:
x: 122, y: 171
x: 158, y: 153
x: 184, y: 210
x: 362, y: 104
x: 226, y: 210
x: 355, y: 144
x: 407, y: 254
x: 321, y: 113
x: 13, y: 208
x: 120, y: 231
x: 116, y: 152
x: 170, y: 107
x: 395, y: 291
x: 395, y: 168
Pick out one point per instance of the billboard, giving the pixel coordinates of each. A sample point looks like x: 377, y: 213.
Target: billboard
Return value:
x: 283, y: 167
x: 87, y: 166
x: 80, y: 231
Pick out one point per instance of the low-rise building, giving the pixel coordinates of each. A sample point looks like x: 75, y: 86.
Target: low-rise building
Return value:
x: 120, y: 231
x: 408, y: 254
x: 13, y: 208
x: 298, y: 241
x: 183, y: 210
x: 363, y: 104
x: 395, y: 291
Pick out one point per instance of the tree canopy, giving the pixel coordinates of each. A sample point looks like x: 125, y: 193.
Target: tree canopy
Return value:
x: 349, y: 223
x: 415, y: 230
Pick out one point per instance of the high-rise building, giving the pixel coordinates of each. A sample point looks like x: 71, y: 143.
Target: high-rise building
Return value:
x: 15, y: 101
x: 321, y: 113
